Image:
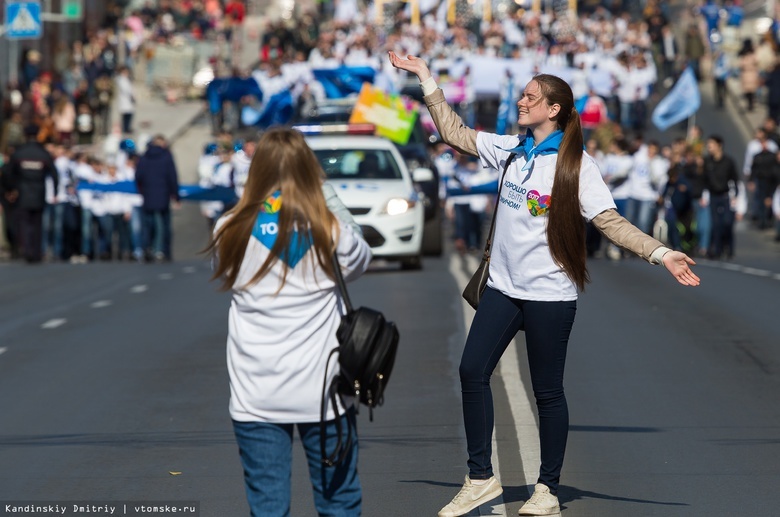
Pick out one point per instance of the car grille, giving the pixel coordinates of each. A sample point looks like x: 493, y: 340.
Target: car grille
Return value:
x: 359, y: 211
x: 372, y: 236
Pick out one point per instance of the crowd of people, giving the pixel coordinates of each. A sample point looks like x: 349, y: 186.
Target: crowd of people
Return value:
x: 71, y: 104
x: 67, y: 109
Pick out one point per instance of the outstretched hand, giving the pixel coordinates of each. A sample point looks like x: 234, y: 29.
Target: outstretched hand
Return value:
x: 678, y: 264
x: 411, y: 64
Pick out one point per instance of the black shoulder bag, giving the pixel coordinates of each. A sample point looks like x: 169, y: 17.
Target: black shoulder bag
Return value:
x: 476, y: 286
x: 367, y: 348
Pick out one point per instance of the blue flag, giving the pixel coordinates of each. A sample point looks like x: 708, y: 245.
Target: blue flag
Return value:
x: 277, y: 111
x: 231, y: 89
x: 682, y: 101
x: 344, y: 80
x: 505, y: 107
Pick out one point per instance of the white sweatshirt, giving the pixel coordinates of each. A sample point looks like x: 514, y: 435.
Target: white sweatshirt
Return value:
x: 278, y: 343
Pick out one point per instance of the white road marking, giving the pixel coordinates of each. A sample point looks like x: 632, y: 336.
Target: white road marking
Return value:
x: 3, y: 350
x: 756, y: 272
x: 53, y: 324
x: 189, y: 269
x: 519, y: 401
x: 100, y: 304
x: 165, y: 276
x: 139, y: 288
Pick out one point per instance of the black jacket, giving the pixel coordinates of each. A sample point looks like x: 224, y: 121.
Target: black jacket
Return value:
x: 156, y: 178
x: 719, y: 174
x: 26, y: 174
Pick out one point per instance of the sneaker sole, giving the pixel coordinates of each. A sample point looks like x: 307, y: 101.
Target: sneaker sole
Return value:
x: 552, y: 511
x: 489, y: 496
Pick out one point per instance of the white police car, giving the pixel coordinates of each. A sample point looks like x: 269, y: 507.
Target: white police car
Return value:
x: 371, y: 178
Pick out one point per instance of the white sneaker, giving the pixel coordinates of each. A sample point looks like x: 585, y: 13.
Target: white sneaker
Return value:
x: 542, y: 502
x: 471, y: 496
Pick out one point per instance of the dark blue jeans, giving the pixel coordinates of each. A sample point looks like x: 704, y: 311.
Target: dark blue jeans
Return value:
x: 157, y: 231
x: 722, y: 226
x: 547, y: 326
x: 266, y: 455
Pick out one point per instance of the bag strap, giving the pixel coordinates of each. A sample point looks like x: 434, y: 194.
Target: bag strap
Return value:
x: 340, y: 282
x: 486, y: 255
x: 341, y: 450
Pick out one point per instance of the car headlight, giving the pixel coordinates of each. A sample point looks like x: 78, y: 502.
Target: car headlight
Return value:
x: 398, y: 206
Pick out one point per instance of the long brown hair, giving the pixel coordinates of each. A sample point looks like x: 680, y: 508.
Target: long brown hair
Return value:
x: 565, y: 228
x: 282, y: 161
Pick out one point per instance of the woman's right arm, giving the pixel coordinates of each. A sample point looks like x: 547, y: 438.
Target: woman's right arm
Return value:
x: 451, y: 127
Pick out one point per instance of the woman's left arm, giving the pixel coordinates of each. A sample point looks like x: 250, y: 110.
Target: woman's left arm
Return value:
x: 624, y: 234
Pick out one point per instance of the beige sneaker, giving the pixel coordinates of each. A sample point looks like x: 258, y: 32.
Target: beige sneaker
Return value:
x: 542, y: 502
x: 471, y: 496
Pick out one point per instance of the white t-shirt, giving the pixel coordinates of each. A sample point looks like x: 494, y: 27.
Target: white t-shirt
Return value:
x: 521, y: 265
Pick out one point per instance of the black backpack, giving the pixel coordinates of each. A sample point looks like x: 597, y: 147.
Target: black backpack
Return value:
x: 367, y: 348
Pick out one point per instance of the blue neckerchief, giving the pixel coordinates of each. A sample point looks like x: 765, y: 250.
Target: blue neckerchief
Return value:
x: 267, y: 228
x: 526, y: 147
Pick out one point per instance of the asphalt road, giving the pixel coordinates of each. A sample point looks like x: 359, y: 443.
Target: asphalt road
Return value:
x: 113, y: 387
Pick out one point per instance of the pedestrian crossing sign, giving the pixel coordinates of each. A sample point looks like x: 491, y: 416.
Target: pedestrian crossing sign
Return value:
x: 23, y: 20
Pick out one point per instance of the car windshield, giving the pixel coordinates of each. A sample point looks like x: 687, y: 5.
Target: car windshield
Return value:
x: 373, y: 164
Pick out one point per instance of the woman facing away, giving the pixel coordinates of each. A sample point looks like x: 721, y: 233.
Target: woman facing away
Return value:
x: 274, y: 251
x: 537, y: 269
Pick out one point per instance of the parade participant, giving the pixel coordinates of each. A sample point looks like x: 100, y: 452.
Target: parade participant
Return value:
x: 274, y: 251
x: 24, y: 182
x: 157, y: 181
x: 722, y: 183
x: 537, y: 269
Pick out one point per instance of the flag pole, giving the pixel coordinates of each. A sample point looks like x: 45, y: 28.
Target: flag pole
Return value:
x: 691, y: 123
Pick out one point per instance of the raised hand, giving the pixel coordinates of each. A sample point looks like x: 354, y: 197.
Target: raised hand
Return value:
x: 411, y: 64
x: 678, y: 264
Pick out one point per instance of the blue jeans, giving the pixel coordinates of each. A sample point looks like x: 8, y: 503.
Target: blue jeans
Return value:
x: 641, y: 214
x: 547, y: 326
x: 157, y: 231
x: 105, y: 235
x: 53, y: 218
x: 87, y: 235
x: 703, y: 227
x: 266, y: 455
x: 136, y: 232
x: 722, y: 226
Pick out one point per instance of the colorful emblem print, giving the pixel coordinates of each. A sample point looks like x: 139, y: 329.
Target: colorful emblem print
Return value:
x: 267, y: 228
x: 538, y: 204
x: 272, y: 204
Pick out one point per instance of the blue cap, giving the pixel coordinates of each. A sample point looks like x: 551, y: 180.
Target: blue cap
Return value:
x: 127, y: 145
x: 238, y: 145
x: 210, y: 148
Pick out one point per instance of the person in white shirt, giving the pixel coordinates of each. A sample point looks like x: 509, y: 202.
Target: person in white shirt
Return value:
x: 645, y: 180
x: 84, y: 171
x: 274, y: 252
x: 57, y: 202
x: 537, y: 268
x: 241, y: 161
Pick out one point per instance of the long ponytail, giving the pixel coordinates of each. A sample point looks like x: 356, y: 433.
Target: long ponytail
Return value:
x: 565, y: 227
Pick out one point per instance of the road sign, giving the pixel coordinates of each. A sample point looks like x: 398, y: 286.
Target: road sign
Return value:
x: 23, y: 20
x: 73, y: 9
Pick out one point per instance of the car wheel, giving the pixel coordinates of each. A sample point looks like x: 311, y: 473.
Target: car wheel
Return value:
x: 413, y: 263
x: 432, y: 245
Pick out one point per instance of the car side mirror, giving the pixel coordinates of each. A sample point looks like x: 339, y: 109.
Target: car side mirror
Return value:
x: 422, y: 174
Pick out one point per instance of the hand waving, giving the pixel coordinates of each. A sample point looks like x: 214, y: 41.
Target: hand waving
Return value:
x: 678, y: 264
x: 411, y: 64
